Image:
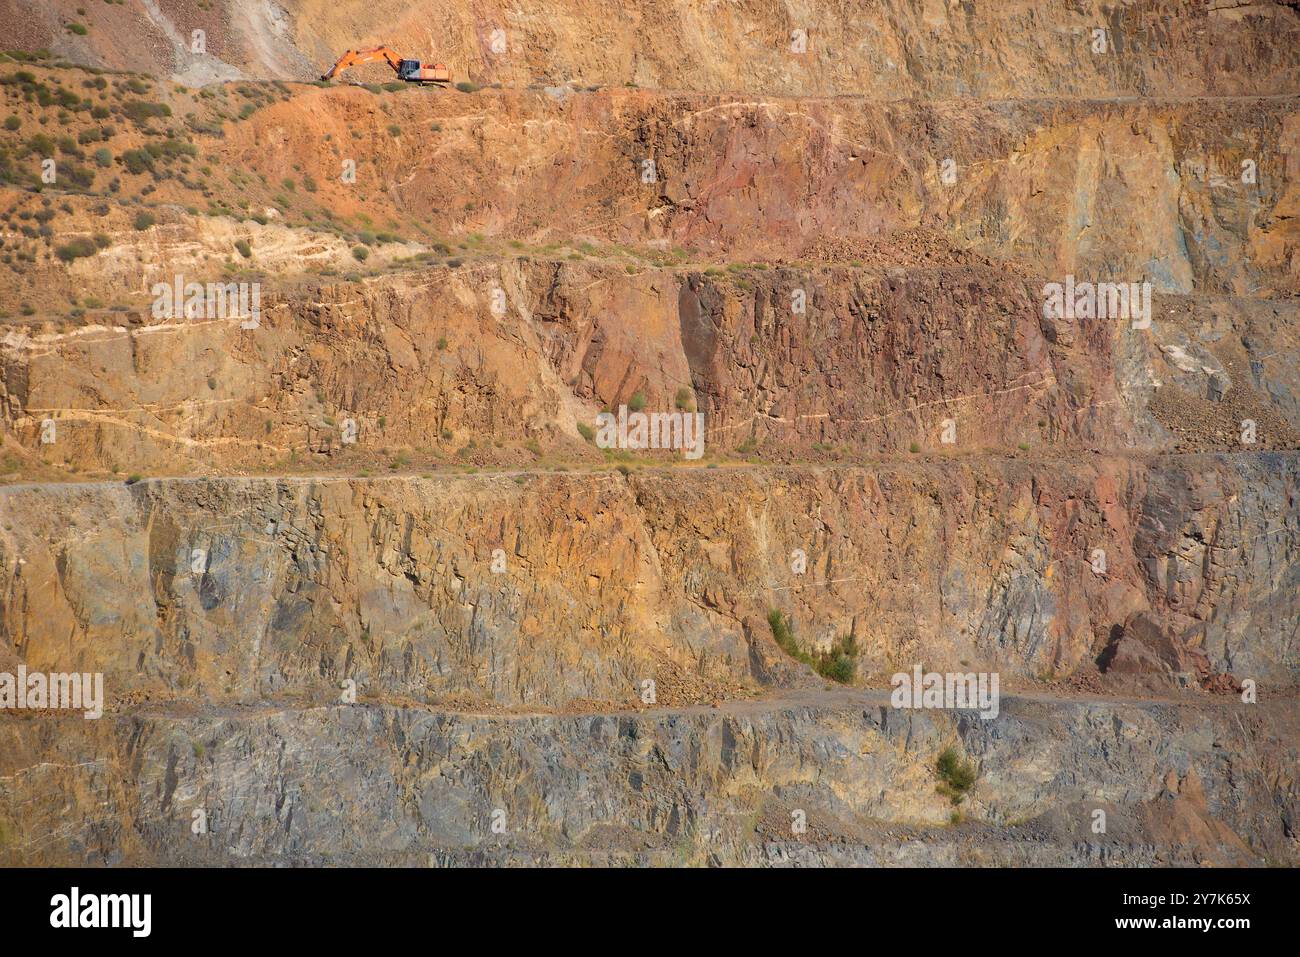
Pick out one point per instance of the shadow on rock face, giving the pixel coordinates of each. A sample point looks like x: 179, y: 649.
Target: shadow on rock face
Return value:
x: 1144, y: 655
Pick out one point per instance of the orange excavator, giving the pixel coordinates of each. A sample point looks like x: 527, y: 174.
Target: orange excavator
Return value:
x: 412, y: 71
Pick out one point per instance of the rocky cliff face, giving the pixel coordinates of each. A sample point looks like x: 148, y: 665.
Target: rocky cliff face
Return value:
x: 424, y: 364
x: 380, y: 785
x: 824, y: 179
x: 898, y: 49
x: 526, y: 591
x: 364, y: 584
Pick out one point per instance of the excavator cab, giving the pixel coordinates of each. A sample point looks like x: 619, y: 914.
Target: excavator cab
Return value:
x: 413, y: 71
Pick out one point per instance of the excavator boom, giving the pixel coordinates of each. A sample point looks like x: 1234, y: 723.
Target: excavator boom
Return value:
x: 412, y: 71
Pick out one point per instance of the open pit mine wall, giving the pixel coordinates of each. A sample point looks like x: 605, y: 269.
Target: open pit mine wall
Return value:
x: 240, y: 590
x: 374, y: 784
x: 875, y: 363
x: 893, y: 49
x: 1191, y: 195
x: 1127, y: 190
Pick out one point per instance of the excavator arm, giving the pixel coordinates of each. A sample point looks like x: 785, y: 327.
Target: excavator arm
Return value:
x: 412, y: 71
x: 358, y: 57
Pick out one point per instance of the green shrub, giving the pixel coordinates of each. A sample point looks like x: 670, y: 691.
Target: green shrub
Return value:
x: 586, y: 431
x: 783, y: 632
x: 685, y: 399
x: 78, y: 28
x: 103, y: 157
x: 78, y: 176
x: 244, y: 248
x: 141, y: 111
x: 12, y: 123
x: 41, y: 145
x: 838, y: 663
x: 360, y: 253
x: 144, y: 220
x: 466, y: 87
x: 171, y: 148
x: 637, y: 402
x: 955, y: 775
x: 76, y: 249
x: 137, y: 161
